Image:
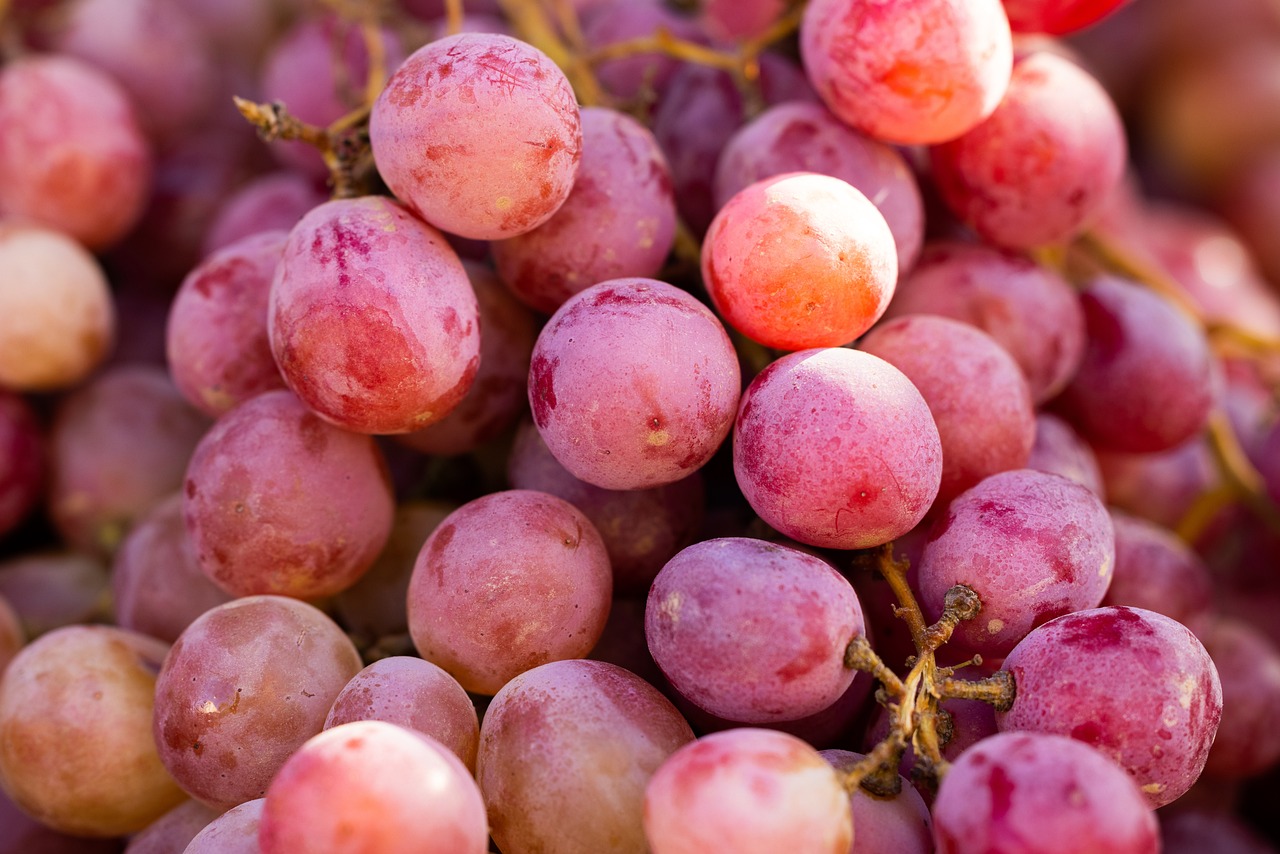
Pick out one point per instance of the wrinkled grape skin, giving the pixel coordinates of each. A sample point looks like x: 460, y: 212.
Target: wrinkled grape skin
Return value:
x: 1134, y: 684
x: 415, y: 694
x: 619, y: 220
x: 750, y: 791
x: 216, y: 340
x: 242, y: 688
x: 157, y: 587
x: 1058, y: 449
x: 72, y: 157
x: 60, y: 319
x: 499, y: 393
x: 233, y: 832
x: 372, y: 319
x: 641, y: 528
x: 499, y: 113
x: 1028, y: 309
x: 565, y: 754
x: 806, y: 137
x: 22, y: 460
x: 1043, y: 164
x: 800, y: 260
x: 976, y: 394
x: 75, y: 748
x: 908, y: 71
x: 1248, y: 664
x: 269, y: 203
x: 507, y: 582
x: 1032, y: 545
x: 618, y: 411
x: 1145, y: 382
x: 798, y: 470
x: 1157, y: 571
x: 1030, y: 793
x: 278, y: 501
x: 118, y: 447
x: 898, y: 824
x: 172, y: 832
x: 753, y: 631
x: 370, y: 787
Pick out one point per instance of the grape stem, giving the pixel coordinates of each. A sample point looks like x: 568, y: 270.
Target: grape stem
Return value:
x: 916, y: 717
x: 344, y: 145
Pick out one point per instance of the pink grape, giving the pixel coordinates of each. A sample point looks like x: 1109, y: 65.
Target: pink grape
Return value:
x: 507, y: 582
x: 414, y: 694
x: 172, y: 832
x: 566, y: 752
x: 1032, y: 545
x: 371, y: 787
x: 975, y: 391
x: 241, y: 689
x: 1034, y: 793
x: 1040, y: 167
x: 912, y: 71
x: 233, y: 832
x: 618, y: 413
x: 1028, y: 309
x: 1196, y: 831
x: 75, y: 719
x: 479, y: 134
x: 630, y: 77
x: 1161, y: 486
x: 619, y: 220
x: 735, y: 20
x: 1058, y: 449
x: 1135, y: 684
x: 52, y: 589
x: 900, y: 823
x: 800, y: 260
x: 806, y: 137
x: 1058, y: 17
x: 372, y: 319
x: 802, y: 615
x: 72, y: 157
x: 1158, y: 572
x: 750, y: 791
x: 1146, y: 380
x: 1248, y: 742
x: 268, y: 203
x: 60, y: 319
x: 836, y: 448
x: 216, y: 340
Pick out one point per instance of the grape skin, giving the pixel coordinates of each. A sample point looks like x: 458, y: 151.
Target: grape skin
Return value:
x: 233, y: 832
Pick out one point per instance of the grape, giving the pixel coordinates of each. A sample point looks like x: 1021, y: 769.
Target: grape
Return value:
x: 414, y: 694
x: 52, y: 589
x: 632, y: 77
x: 1161, y: 486
x: 72, y: 157
x: 970, y: 721
x: 1059, y: 450
x: 750, y: 791
x: 372, y: 319
x: 1057, y: 16
x: 619, y: 220
x: 1028, y: 309
x: 374, y: 788
x: 1032, y: 545
x: 75, y: 744
x: 216, y: 339
x: 156, y: 584
x: 233, y: 832
x: 615, y: 411
x: 507, y: 582
x: 1158, y: 572
x: 641, y: 528
x: 22, y: 460
x: 565, y: 754
x: 172, y: 832
x: 24, y: 835
x: 806, y: 137
x: 59, y: 318
x: 1135, y: 684
x: 499, y: 392
x: 1145, y: 382
x: 900, y: 823
x: 1042, y: 164
x: 241, y: 689
x: 622, y: 643
x: 976, y: 394
x: 271, y: 202
x: 913, y: 71
x: 1248, y: 664
x: 836, y: 448
x: 1196, y: 831
x: 1034, y: 793
x: 278, y: 501
x: 12, y: 635
x: 752, y: 631
x: 478, y: 134
x: 800, y: 260
x: 119, y: 446
x: 736, y: 20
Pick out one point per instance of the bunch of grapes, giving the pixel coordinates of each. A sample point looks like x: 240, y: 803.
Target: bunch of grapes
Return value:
x: 585, y: 426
